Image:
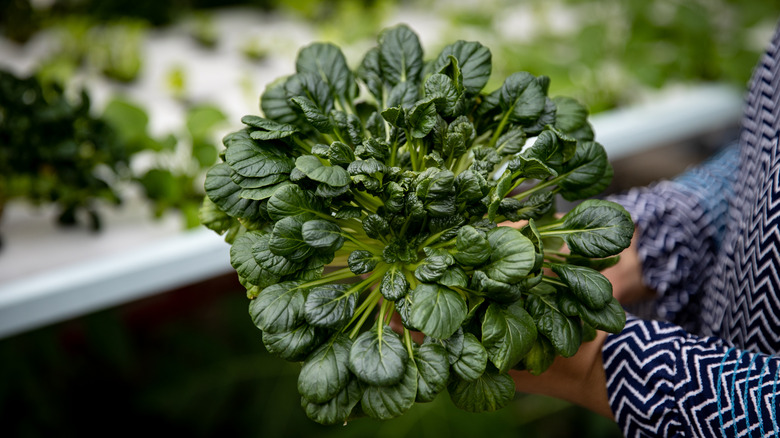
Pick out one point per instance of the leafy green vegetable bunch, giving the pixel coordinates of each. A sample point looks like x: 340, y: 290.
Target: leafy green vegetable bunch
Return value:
x: 362, y: 195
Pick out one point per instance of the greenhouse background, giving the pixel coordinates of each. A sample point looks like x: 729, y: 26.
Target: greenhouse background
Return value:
x: 120, y: 314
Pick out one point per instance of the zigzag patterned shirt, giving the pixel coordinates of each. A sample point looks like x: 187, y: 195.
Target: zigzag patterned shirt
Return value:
x: 709, y: 242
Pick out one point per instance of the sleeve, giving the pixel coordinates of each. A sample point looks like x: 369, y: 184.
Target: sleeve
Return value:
x: 662, y: 381
x: 680, y: 225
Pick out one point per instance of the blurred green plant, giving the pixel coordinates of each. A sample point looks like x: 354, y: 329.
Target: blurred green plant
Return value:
x: 53, y: 150
x: 607, y: 53
x: 178, y: 161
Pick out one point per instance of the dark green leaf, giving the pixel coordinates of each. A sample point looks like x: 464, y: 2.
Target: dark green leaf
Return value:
x: 511, y: 257
x: 508, y: 333
x: 472, y: 361
x: 326, y: 61
x: 362, y: 262
x: 394, y: 285
x: 275, y: 104
x: 540, y: 357
x: 315, y: 169
x: 472, y: 245
x: 422, y: 118
x: 588, y: 285
x: 378, y: 357
x: 279, y: 308
x: 291, y: 200
x: 454, y: 276
x: 433, y: 371
x: 244, y: 263
x: 268, y: 129
x: 287, y: 239
x: 521, y: 97
x: 436, y: 310
x: 330, y: 306
x: 275, y: 264
x: 326, y: 371
x: 322, y: 235
x: 611, y: 318
x: 313, y: 114
x: 400, y: 55
x: 597, y: 228
x: 474, y: 61
x: 390, y: 401
x: 294, y: 345
x: 226, y: 194
x: 337, y: 410
x: 490, y: 392
x: 253, y: 158
x: 564, y: 332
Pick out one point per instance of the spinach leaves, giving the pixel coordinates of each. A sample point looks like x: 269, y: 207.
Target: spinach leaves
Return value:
x: 379, y: 194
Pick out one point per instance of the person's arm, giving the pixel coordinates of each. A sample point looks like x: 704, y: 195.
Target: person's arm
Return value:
x: 655, y: 379
x: 680, y: 224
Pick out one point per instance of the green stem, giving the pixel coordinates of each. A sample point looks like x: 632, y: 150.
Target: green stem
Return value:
x: 408, y: 342
x: 551, y: 280
x: 365, y: 310
x: 366, y: 201
x: 499, y: 130
x: 373, y: 249
x: 305, y: 146
x: 538, y: 187
x: 341, y: 274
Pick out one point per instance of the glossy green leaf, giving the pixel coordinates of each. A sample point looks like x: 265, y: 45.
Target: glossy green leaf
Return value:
x: 584, y: 170
x: 422, y: 118
x: 252, y: 158
x: 386, y: 402
x: 315, y: 169
x: 378, y: 357
x: 328, y: 62
x: 540, y: 357
x: 521, y: 97
x: 511, y: 257
x: 362, y: 262
x: 433, y: 371
x: 612, y: 318
x: 330, y: 306
x: 275, y: 104
x: 292, y: 200
x: 279, y: 308
x: 243, y: 261
x: 597, y: 228
x: 287, y: 239
x: 394, y: 285
x: 436, y: 310
x: 273, y: 263
x: 472, y: 361
x: 322, y: 234
x: 226, y: 194
x: 454, y: 276
x: 472, y: 245
x: 589, y: 286
x: 325, y: 373
x: 338, y: 409
x: 400, y: 55
x: 565, y: 333
x: 293, y: 345
x: 453, y: 344
x: 489, y: 392
x: 474, y: 61
x: 508, y: 333
x: 312, y: 114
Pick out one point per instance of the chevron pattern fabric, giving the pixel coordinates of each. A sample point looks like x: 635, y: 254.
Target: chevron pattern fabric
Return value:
x: 710, y: 244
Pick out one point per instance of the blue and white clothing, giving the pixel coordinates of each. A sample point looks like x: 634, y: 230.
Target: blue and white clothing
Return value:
x: 709, y: 243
